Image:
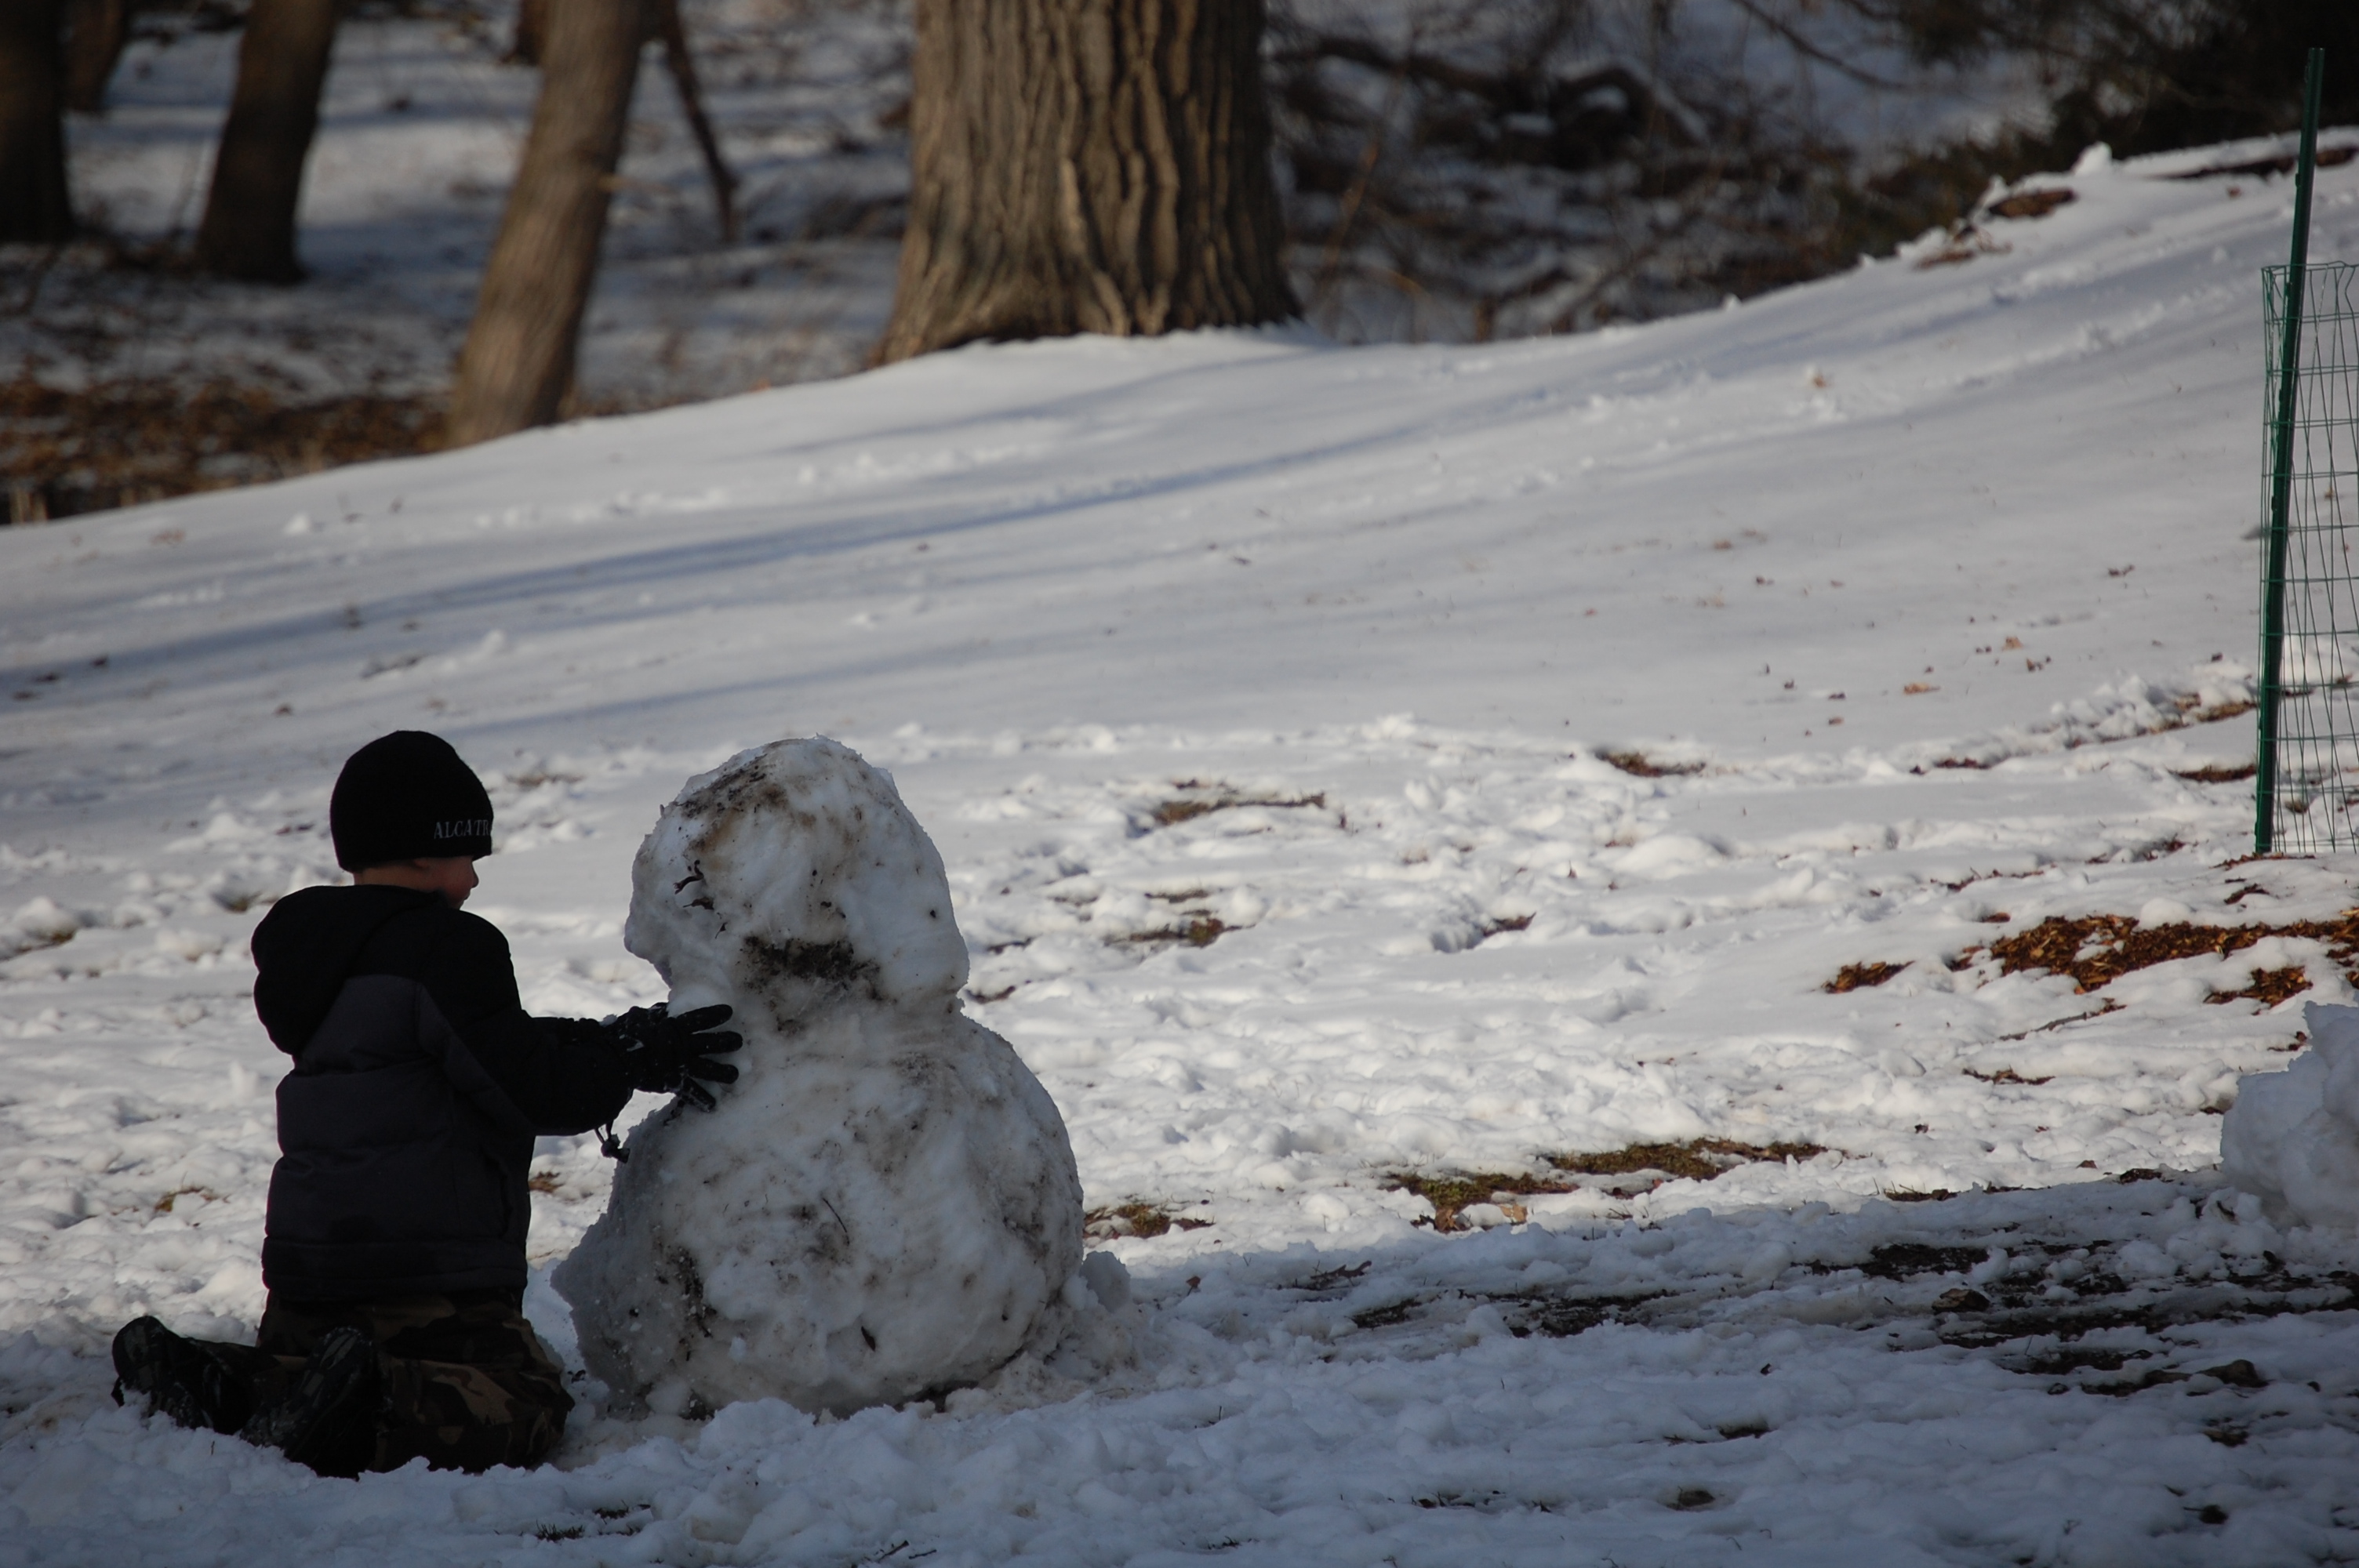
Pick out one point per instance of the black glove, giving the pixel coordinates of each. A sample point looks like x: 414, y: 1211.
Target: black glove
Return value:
x: 668, y: 1054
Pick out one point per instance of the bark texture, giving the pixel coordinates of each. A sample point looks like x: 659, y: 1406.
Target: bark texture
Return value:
x: 519, y: 360
x: 1087, y: 166
x: 248, y: 231
x: 34, y: 208
x: 95, y: 33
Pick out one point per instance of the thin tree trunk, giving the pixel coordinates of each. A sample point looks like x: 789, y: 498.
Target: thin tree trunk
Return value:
x: 663, y: 23
x: 531, y: 25
x: 682, y: 65
x: 34, y: 207
x: 94, y: 39
x: 249, y: 225
x: 1087, y: 166
x: 519, y: 359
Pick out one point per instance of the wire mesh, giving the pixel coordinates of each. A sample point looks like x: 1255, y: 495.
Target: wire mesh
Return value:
x: 2315, y: 804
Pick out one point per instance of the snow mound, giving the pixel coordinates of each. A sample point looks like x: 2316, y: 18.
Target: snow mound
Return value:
x: 884, y: 1205
x: 2292, y: 1138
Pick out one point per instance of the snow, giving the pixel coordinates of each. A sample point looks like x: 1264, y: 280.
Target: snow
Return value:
x: 2292, y: 1138
x: 1329, y: 647
x: 884, y: 1207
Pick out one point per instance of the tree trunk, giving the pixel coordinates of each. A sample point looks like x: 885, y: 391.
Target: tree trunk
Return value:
x: 531, y: 25
x: 682, y: 65
x: 519, y: 359
x: 249, y: 225
x: 1087, y: 166
x: 664, y: 24
x: 95, y: 40
x: 34, y: 208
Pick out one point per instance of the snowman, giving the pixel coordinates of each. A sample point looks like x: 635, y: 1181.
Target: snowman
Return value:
x: 884, y: 1207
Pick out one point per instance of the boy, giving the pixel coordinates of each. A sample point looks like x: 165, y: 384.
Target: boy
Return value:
x: 394, y: 1248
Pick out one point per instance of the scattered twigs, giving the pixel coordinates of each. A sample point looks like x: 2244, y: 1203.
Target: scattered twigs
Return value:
x: 2110, y: 1006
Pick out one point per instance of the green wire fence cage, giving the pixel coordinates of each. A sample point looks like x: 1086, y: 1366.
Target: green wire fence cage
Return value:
x: 2306, y: 761
x: 2312, y: 806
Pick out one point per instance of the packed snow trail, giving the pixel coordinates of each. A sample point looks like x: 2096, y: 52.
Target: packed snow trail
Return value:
x: 1314, y: 840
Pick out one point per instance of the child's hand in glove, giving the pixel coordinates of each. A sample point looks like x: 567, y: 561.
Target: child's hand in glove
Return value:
x: 668, y: 1054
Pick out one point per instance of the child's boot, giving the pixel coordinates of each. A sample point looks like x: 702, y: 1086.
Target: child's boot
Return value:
x: 198, y: 1385
x: 329, y: 1419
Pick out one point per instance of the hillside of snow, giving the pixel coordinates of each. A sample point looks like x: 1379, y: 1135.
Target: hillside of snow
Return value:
x: 1355, y: 768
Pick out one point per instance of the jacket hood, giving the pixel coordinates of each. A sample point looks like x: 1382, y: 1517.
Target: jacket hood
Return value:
x: 307, y: 943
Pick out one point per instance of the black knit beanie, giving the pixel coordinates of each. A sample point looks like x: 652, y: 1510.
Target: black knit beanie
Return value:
x: 408, y: 796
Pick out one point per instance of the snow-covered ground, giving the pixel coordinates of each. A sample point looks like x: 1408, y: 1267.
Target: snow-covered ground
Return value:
x: 1319, y: 653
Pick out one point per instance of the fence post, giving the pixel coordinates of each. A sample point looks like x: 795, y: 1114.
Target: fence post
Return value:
x: 2281, y: 427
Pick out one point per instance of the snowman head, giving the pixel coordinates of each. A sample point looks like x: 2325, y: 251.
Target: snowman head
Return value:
x: 792, y: 878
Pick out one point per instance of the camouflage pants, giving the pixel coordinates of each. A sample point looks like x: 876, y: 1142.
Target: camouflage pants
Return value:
x: 468, y: 1384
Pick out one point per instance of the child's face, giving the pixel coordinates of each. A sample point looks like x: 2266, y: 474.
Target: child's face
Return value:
x: 452, y: 876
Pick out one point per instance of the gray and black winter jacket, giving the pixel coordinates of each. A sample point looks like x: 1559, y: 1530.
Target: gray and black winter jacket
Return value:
x: 405, y: 1131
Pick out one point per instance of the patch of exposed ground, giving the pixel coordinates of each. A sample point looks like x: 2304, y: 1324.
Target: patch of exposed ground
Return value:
x: 2268, y: 987
x: 2190, y: 710
x: 1699, y: 1159
x: 2097, y: 949
x: 1852, y: 976
x: 1138, y: 1219
x: 2187, y: 709
x: 1204, y: 799
x: 1641, y: 765
x: 120, y: 443
x: 1451, y: 1196
x: 2215, y: 772
x: 1562, y: 1317
x: 2028, y: 1307
x: 1202, y: 929
x: 2023, y: 1310
x: 1649, y: 1165
x: 2025, y: 204
x: 2008, y: 1075
x: 2328, y: 157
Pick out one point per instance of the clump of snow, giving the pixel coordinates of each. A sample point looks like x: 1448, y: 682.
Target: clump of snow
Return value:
x: 2292, y: 1138
x: 41, y: 923
x: 886, y: 1204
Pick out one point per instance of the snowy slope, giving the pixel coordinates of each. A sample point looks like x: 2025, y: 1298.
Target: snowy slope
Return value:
x: 1327, y: 647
